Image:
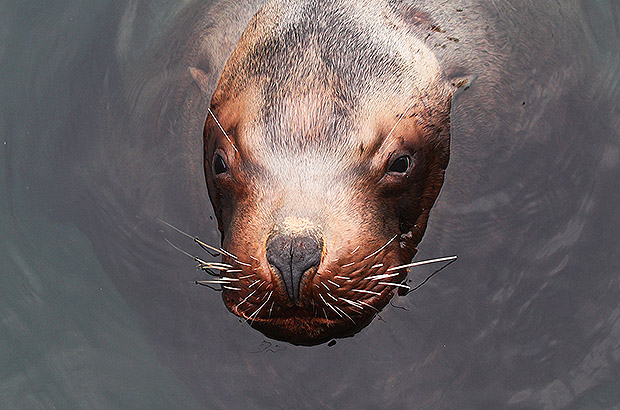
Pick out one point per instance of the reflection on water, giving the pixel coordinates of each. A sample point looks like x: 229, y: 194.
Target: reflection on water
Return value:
x: 98, y: 311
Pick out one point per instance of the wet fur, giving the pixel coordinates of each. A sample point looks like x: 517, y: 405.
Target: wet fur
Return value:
x: 310, y: 107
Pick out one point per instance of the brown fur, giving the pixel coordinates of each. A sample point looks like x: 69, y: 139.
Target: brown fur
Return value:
x: 308, y: 142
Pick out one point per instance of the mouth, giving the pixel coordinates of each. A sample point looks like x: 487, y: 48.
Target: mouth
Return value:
x: 336, y: 299
x: 300, y: 327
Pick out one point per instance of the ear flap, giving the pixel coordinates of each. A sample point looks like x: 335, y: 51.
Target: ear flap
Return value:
x: 201, y: 79
x: 462, y: 83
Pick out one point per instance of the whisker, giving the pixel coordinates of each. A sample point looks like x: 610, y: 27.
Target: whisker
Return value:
x: 254, y: 283
x: 222, y: 128
x: 342, y: 277
x: 382, y: 276
x: 209, y: 266
x: 260, y: 307
x: 425, y: 262
x: 352, y: 303
x: 359, y: 311
x: 370, y: 306
x: 208, y: 248
x: 430, y: 276
x: 183, y: 252
x: 217, y: 265
x: 246, y: 298
x: 345, y: 313
x: 204, y: 265
x: 355, y: 250
x: 378, y: 265
x: 329, y: 305
x: 215, y: 282
x: 264, y: 294
x: 398, y: 285
x: 175, y: 228
x: 230, y: 288
x: 381, y: 248
x: 348, y: 264
x: 333, y: 283
x: 271, y: 308
x: 370, y: 292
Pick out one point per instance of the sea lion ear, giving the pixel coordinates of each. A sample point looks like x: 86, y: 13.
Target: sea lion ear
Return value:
x: 201, y: 79
x: 461, y: 83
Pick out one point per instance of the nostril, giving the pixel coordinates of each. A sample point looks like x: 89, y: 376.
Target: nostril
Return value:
x: 279, y: 252
x: 292, y: 256
x: 306, y: 252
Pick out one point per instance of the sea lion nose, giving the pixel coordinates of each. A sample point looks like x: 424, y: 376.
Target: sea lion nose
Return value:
x: 293, y: 256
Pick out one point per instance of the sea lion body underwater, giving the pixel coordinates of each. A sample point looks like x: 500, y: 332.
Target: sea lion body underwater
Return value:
x: 325, y: 149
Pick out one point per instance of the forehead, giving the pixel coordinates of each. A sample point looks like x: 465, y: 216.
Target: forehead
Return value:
x: 323, y: 76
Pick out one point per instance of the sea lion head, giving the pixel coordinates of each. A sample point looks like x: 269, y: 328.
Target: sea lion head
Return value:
x: 324, y: 153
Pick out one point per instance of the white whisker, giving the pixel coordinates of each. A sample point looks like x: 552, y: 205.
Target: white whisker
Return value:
x: 228, y: 279
x: 383, y: 276
x: 398, y: 285
x: 246, y: 298
x: 329, y: 305
x: 210, y: 266
x: 222, y: 128
x: 333, y: 283
x: 214, y: 249
x: 370, y: 292
x: 425, y: 262
x: 352, y: 303
x: 381, y: 248
x: 370, y: 306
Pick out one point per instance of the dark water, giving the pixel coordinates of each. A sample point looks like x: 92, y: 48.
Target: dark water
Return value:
x: 98, y: 311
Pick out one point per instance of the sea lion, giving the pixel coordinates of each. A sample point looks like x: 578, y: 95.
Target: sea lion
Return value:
x: 324, y: 151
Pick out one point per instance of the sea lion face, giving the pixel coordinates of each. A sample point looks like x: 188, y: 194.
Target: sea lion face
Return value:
x: 324, y: 154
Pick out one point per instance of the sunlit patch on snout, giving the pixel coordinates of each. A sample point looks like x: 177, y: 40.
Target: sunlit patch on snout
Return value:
x: 325, y: 147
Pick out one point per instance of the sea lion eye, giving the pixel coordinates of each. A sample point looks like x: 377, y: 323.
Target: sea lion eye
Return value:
x: 219, y: 165
x: 400, y: 165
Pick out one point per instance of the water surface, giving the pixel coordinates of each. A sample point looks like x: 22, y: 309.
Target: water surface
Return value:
x: 98, y: 311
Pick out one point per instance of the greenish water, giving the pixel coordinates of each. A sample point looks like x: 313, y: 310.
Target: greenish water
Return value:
x: 68, y: 339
